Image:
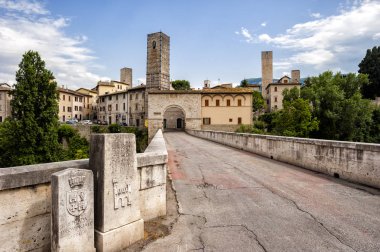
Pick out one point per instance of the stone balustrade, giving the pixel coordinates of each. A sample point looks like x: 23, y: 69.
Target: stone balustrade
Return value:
x: 352, y: 161
x: 25, y: 196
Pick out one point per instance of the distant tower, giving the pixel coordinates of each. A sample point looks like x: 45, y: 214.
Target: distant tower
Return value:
x: 126, y: 75
x: 266, y: 70
x: 158, y: 62
x: 296, y: 76
x: 207, y: 84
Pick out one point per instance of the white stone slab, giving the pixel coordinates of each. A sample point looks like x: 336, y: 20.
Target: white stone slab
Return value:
x: 72, y: 211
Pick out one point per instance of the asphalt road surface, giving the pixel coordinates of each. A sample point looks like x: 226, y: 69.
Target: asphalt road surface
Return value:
x: 231, y: 200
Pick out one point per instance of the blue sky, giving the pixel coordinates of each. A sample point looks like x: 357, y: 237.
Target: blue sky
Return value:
x: 220, y: 40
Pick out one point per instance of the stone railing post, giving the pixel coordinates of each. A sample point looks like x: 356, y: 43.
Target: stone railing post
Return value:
x: 118, y: 220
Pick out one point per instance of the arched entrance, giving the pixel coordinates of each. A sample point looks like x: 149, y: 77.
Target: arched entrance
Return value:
x: 174, y: 118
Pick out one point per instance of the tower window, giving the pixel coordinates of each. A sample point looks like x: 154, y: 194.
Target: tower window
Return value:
x: 154, y: 45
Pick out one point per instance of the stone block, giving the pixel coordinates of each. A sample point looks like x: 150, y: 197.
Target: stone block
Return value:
x: 72, y: 211
x: 153, y: 202
x: 152, y: 175
x: 113, y: 160
x: 120, y: 238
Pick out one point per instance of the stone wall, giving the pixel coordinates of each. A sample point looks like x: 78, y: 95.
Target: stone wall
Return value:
x: 25, y: 197
x: 356, y: 162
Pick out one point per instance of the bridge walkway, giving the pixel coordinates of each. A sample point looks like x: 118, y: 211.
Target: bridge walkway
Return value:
x: 231, y: 200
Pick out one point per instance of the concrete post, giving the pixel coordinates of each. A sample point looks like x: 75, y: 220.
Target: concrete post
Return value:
x: 72, y: 224
x: 118, y: 221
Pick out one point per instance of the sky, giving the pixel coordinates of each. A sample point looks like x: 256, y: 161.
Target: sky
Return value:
x: 83, y: 42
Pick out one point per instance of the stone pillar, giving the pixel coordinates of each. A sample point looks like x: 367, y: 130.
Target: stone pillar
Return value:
x: 72, y: 224
x: 118, y: 221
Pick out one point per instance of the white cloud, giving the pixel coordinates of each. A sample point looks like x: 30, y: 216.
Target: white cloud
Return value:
x: 316, y: 15
x: 332, y: 41
x: 67, y: 57
x: 263, y: 24
x: 28, y: 7
x: 246, y: 34
x: 376, y: 36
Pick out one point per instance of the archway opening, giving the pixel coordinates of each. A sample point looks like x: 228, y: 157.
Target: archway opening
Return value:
x: 174, y: 119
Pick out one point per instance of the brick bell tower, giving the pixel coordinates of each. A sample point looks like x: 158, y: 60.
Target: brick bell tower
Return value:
x: 158, y: 62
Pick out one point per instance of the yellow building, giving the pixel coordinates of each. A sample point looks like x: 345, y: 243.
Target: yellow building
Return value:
x: 90, y: 106
x: 226, y: 109
x: 71, y: 105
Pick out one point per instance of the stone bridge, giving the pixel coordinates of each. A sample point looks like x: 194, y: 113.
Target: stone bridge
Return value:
x: 234, y: 200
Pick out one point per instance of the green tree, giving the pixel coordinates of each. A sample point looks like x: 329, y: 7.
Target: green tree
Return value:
x: 290, y: 94
x: 31, y: 132
x: 244, y: 83
x: 295, y: 119
x: 181, y: 85
x: 258, y: 102
x: 339, y: 106
x: 371, y: 65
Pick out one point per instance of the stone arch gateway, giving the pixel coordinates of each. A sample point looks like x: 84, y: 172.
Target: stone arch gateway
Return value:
x: 174, y: 109
x: 174, y: 118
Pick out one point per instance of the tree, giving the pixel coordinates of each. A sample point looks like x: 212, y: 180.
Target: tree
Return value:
x: 295, y: 119
x: 181, y: 85
x: 371, y: 65
x: 290, y: 94
x: 258, y: 102
x: 244, y: 83
x: 31, y: 132
x: 339, y: 106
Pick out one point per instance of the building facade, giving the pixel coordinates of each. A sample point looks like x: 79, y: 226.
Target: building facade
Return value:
x: 72, y: 105
x: 113, y: 108
x: 137, y: 104
x: 274, y: 96
x: 5, y: 101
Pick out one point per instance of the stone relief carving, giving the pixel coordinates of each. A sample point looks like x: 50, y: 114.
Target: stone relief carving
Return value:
x: 121, y: 194
x: 76, y: 202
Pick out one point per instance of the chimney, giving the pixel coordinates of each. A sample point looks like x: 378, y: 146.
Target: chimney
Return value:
x: 296, y: 76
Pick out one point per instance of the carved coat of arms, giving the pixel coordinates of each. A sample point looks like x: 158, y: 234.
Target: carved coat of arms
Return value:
x: 76, y: 201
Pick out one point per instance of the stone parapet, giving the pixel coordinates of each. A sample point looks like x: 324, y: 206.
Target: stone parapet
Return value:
x: 352, y: 161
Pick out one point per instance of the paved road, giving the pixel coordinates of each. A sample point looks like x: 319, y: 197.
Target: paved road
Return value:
x: 230, y: 200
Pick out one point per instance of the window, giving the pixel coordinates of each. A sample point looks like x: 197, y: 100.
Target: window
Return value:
x: 239, y: 120
x: 117, y: 107
x: 88, y: 106
x: 124, y: 106
x: 230, y: 120
x: 117, y: 97
x: 124, y: 96
x: 206, y: 120
x: 154, y: 44
x: 76, y: 98
x: 275, y: 106
x: 228, y: 103
x: 268, y: 91
x: 1, y: 119
x: 206, y: 103
x: 102, y: 99
x: 110, y: 98
x: 217, y: 103
x: 137, y: 106
x: 130, y: 97
x: 137, y: 96
x: 275, y: 99
x: 80, y: 108
x: 104, y: 108
x: 69, y: 98
x: 275, y: 89
x: 267, y: 101
x: 76, y: 108
x: 69, y: 109
x: 80, y: 99
x: 63, y: 109
x: 239, y: 102
x: 63, y: 97
x: 88, y: 100
x: 285, y: 81
x: 110, y: 107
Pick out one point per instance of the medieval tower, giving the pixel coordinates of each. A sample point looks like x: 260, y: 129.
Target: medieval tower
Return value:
x: 126, y: 75
x: 158, y: 62
x: 266, y: 70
